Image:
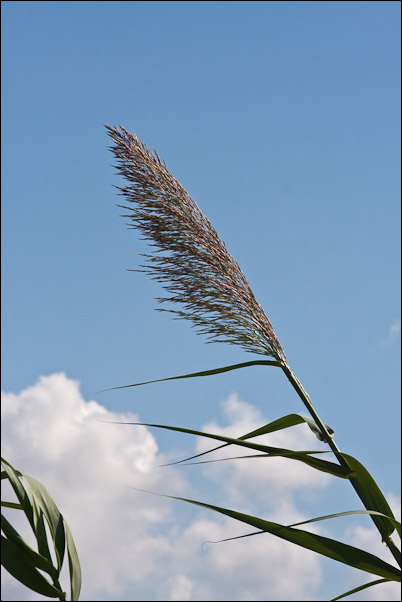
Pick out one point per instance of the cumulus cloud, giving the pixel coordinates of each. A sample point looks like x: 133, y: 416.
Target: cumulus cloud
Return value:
x: 133, y: 545
x: 177, y: 588
x: 51, y: 433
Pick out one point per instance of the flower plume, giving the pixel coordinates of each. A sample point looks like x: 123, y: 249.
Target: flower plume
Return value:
x: 190, y: 261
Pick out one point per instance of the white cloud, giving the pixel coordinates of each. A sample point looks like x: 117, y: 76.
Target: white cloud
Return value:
x: 177, y: 588
x: 133, y: 545
x: 51, y: 433
x: 393, y: 332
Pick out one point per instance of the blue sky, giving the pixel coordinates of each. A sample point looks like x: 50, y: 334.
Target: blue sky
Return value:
x: 282, y: 121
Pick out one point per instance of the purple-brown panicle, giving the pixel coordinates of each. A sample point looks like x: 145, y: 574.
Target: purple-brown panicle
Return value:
x: 196, y: 269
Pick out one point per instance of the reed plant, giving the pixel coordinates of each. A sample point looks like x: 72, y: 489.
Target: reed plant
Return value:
x: 39, y: 570
x: 205, y: 285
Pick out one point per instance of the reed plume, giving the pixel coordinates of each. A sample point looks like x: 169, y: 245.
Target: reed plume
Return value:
x: 194, y: 267
x: 190, y: 260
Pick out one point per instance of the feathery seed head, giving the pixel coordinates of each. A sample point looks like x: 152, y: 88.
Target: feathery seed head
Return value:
x: 195, y: 268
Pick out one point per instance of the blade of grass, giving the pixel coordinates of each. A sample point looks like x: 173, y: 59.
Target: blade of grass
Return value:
x: 204, y: 373
x: 359, y: 589
x: 74, y: 565
x: 279, y: 424
x: 313, y: 520
x: 39, y: 561
x: 303, y: 456
x: 13, y: 477
x: 322, y: 465
x: 371, y: 495
x: 324, y: 546
x: 39, y: 505
x: 45, y: 502
x: 17, y: 563
x: 396, y: 523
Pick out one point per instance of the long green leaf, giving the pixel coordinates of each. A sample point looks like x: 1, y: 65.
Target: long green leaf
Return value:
x: 371, y: 495
x: 302, y: 456
x: 37, y: 560
x: 13, y: 476
x: 40, y: 531
x: 16, y: 562
x: 74, y: 565
x: 279, y: 424
x: 230, y: 440
x: 330, y: 548
x: 314, y: 520
x: 31, y: 509
x: 317, y: 463
x: 44, y: 501
x: 396, y: 523
x: 283, y: 423
x: 358, y: 589
x: 39, y: 506
x: 204, y: 373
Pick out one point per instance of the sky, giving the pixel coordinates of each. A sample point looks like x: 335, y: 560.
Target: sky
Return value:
x: 282, y: 121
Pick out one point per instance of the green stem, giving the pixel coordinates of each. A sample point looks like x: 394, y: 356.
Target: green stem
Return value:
x: 296, y: 384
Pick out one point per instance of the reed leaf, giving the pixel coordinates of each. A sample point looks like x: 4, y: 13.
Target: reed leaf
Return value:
x: 318, y: 519
x: 360, y: 588
x: 371, y: 496
x: 301, y: 456
x: 74, y: 565
x: 18, y: 558
x: 13, y: 476
x: 279, y: 424
x: 331, y: 548
x: 44, y: 505
x: 21, y: 567
x: 39, y: 561
x: 211, y: 372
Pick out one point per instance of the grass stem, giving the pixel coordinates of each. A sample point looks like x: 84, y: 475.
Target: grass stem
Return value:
x: 296, y: 384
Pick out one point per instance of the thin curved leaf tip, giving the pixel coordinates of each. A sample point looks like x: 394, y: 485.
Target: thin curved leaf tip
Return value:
x: 191, y: 261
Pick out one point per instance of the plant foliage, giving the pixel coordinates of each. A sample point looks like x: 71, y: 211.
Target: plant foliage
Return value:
x: 23, y: 562
x: 195, y: 268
